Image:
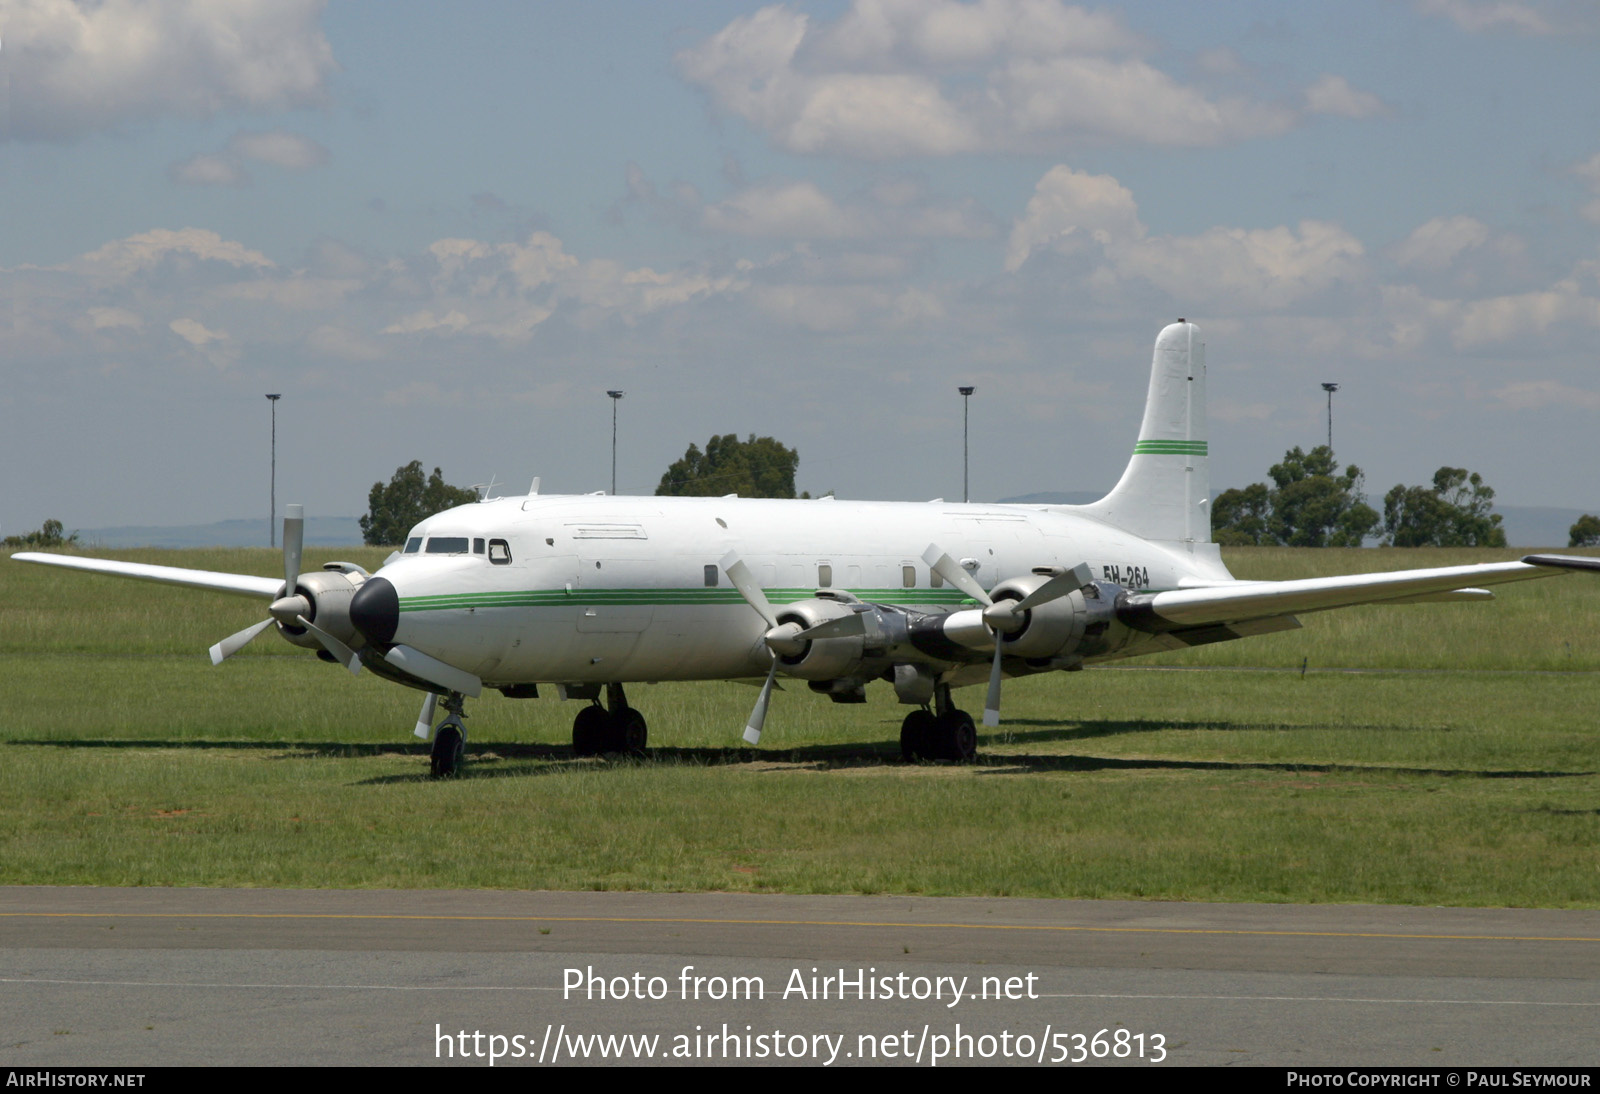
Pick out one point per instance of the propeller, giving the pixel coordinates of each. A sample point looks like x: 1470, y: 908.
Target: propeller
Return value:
x: 291, y: 609
x: 425, y: 719
x: 783, y: 634
x: 1002, y: 616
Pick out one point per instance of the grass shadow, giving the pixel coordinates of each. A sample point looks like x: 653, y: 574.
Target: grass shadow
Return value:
x: 515, y: 759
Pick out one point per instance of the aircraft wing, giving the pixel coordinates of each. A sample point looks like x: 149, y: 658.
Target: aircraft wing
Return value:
x: 238, y: 584
x: 1246, y: 600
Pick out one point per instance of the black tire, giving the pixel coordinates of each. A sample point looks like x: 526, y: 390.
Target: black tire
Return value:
x: 590, y: 731
x: 916, y: 735
x: 628, y: 732
x: 956, y: 737
x: 449, y: 751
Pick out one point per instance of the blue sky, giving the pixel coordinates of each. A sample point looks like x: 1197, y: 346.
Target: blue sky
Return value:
x: 443, y: 232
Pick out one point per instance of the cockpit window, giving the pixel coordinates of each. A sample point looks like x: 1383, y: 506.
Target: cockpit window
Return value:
x: 499, y: 552
x: 477, y: 546
x: 413, y: 545
x: 447, y: 545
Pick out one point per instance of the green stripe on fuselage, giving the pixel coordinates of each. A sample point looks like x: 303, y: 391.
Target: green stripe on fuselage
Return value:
x: 553, y: 598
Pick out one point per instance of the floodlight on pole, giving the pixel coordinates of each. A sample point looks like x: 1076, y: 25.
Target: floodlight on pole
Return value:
x: 966, y: 394
x: 272, y: 496
x: 616, y: 397
x: 1330, y: 389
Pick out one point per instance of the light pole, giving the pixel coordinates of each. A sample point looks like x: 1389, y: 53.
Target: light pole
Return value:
x: 1330, y: 389
x: 272, y: 502
x: 616, y: 397
x: 966, y: 394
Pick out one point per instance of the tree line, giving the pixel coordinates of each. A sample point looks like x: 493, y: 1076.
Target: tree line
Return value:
x: 1309, y: 502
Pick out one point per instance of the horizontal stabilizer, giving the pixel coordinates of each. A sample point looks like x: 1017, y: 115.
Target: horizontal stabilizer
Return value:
x: 238, y: 584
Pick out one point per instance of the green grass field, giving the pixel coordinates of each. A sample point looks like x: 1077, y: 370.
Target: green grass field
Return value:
x: 1459, y: 765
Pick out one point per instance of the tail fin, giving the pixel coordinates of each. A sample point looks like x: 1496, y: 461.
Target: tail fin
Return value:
x: 1165, y: 492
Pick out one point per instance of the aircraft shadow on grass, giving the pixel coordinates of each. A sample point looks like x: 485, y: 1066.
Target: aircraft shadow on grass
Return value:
x: 516, y: 759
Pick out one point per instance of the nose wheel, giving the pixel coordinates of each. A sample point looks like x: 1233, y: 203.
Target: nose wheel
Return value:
x: 449, y: 753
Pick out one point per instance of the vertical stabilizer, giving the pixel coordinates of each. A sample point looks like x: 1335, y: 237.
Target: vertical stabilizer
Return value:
x: 1165, y: 493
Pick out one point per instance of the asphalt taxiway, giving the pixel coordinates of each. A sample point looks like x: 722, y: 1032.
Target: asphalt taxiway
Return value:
x: 138, y: 977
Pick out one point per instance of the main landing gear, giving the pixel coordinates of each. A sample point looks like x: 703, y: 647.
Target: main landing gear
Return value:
x: 615, y: 727
x: 948, y: 734
x: 450, y: 739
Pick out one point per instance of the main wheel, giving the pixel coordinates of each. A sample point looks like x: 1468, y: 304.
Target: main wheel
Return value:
x: 916, y: 734
x: 955, y: 737
x: 589, y: 731
x: 449, y: 751
x: 628, y: 732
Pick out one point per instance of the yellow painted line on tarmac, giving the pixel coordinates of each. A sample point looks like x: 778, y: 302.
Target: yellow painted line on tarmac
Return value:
x: 901, y: 925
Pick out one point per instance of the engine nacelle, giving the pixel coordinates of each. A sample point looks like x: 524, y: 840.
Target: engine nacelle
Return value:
x: 329, y: 592
x: 1074, y: 624
x: 820, y: 658
x: 1051, y: 628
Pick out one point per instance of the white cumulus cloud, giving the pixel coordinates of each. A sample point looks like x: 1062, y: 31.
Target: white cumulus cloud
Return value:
x: 194, y: 332
x: 1074, y: 211
x: 895, y: 78
x: 1334, y: 95
x: 1436, y: 244
x: 124, y: 257
x: 95, y: 66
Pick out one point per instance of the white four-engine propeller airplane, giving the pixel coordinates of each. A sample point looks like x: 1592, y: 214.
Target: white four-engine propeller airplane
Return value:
x: 586, y: 594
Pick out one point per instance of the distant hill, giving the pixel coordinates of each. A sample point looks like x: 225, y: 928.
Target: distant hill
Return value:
x: 1539, y: 525
x: 1054, y: 497
x: 320, y: 532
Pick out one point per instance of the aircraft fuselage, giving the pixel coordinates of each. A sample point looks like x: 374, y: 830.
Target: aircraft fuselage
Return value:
x: 601, y: 588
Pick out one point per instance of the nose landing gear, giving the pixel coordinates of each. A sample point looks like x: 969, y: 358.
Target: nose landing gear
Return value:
x: 449, y: 752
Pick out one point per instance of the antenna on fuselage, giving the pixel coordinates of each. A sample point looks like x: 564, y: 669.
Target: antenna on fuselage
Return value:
x: 485, y: 487
x: 533, y: 491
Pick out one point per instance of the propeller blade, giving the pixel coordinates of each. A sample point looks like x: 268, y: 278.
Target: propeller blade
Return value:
x: 846, y: 626
x: 951, y: 570
x: 425, y: 719
x: 294, y: 536
x: 434, y: 671
x: 991, y: 705
x: 740, y: 575
x: 1057, y: 587
x: 346, y: 656
x: 236, y: 642
x: 758, y: 716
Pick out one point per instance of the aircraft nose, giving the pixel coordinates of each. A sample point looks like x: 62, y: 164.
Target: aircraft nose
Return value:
x: 375, y: 611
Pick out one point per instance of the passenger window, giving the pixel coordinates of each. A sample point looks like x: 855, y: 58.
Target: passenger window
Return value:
x: 477, y: 546
x: 499, y: 552
x: 908, y: 576
x: 447, y: 545
x: 413, y: 545
x: 824, y: 576
x: 934, y: 579
x: 711, y: 576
